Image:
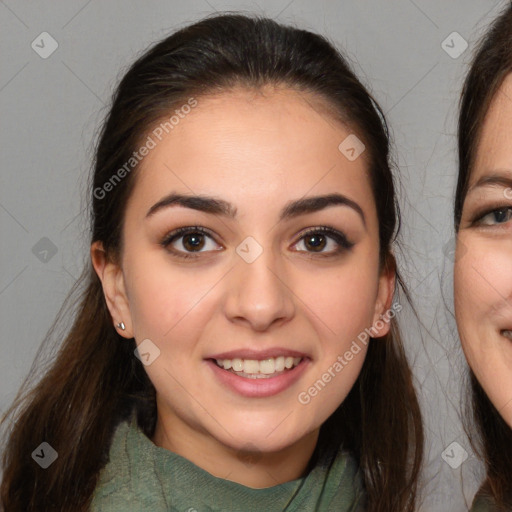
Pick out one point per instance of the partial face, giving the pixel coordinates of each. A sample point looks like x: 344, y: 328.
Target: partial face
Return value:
x: 253, y: 292
x: 483, y: 268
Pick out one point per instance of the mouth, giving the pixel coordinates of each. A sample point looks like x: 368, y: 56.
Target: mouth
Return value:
x: 258, y: 373
x: 259, y: 369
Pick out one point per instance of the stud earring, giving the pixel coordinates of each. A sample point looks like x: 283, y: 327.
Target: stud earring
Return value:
x: 121, y: 326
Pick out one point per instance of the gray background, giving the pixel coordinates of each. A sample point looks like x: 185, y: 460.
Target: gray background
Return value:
x: 51, y: 109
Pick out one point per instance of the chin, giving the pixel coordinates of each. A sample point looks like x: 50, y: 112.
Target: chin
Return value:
x: 264, y: 440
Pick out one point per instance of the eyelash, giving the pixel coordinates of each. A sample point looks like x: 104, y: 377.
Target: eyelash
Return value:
x: 338, y: 237
x: 477, y: 219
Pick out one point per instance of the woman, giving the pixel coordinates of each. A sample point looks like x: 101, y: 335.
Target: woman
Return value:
x: 482, y: 278
x: 235, y: 347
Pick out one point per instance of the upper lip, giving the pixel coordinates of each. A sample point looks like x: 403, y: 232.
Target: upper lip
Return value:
x: 258, y: 354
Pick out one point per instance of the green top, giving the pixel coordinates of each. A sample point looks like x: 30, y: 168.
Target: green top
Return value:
x: 483, y: 503
x: 143, y: 476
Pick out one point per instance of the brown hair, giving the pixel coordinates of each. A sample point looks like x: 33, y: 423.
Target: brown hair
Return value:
x: 95, y: 380
x: 489, y: 434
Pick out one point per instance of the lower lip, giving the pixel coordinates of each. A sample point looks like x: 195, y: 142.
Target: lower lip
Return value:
x: 258, y: 388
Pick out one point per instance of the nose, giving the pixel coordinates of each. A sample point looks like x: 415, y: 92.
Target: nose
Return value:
x: 259, y: 294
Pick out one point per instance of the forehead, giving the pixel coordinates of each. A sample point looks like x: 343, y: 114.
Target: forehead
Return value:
x: 495, y: 145
x: 254, y: 146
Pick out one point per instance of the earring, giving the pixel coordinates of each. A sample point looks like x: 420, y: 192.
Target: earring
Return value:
x: 121, y: 326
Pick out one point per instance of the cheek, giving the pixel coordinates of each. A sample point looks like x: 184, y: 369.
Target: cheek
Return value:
x: 164, y: 297
x: 483, y: 287
x: 343, y: 300
x: 482, y: 279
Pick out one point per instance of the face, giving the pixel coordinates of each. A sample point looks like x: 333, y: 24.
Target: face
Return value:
x: 483, y: 268
x: 252, y: 293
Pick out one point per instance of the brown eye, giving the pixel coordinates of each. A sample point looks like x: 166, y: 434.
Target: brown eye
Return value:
x: 189, y: 242
x: 318, y: 239
x: 193, y: 242
x: 317, y: 242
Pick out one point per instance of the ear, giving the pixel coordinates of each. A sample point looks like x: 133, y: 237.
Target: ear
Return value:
x: 385, y: 293
x: 112, y: 281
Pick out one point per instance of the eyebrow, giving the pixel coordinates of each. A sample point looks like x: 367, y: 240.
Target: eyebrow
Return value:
x: 494, y: 179
x: 216, y: 206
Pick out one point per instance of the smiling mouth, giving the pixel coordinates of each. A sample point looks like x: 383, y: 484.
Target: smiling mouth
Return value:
x: 255, y: 369
x: 507, y: 334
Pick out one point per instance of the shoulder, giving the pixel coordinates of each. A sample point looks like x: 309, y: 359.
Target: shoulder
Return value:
x: 352, y: 481
x: 112, y: 477
x: 114, y: 490
x: 483, y: 503
x: 342, y: 482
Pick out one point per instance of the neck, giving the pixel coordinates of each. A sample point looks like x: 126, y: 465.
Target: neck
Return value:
x: 248, y: 467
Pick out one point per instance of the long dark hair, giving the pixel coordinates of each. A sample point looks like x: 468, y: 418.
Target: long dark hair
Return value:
x: 95, y: 381
x: 489, y: 434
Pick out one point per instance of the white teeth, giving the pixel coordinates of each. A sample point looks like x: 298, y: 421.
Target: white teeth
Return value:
x: 251, y: 366
x: 507, y: 334
x: 265, y: 367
